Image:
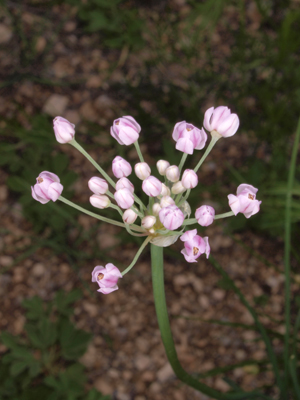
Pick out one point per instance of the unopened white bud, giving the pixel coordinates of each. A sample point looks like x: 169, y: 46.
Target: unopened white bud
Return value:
x: 172, y: 173
x: 148, y: 221
x: 162, y: 165
x: 99, y: 201
x: 156, y: 209
x: 165, y: 191
x: 142, y: 170
x: 129, y: 216
x: 166, y: 201
x: 178, y: 188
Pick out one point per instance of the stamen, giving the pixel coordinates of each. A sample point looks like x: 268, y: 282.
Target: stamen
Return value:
x: 195, y: 251
x: 39, y: 179
x: 117, y: 122
x: 188, y: 129
x: 100, y: 276
x: 251, y: 196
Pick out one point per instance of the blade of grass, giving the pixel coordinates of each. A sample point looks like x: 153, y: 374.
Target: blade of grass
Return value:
x: 287, y: 250
x: 259, y: 325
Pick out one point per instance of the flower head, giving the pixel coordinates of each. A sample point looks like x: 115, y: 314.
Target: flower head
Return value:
x: 189, y: 179
x: 245, y: 201
x: 142, y: 170
x: 129, y: 216
x: 124, y: 198
x: 194, y: 246
x: 98, y: 185
x: 171, y: 217
x: 63, y: 129
x: 152, y: 186
x: 125, y: 130
x: 221, y: 119
x: 124, y: 183
x: 106, y: 277
x: 188, y: 137
x: 121, y: 167
x: 47, y: 187
x: 99, y: 201
x: 205, y: 215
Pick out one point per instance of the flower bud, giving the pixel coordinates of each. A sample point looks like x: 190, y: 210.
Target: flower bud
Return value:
x: 121, y: 167
x: 221, y: 120
x: 129, y: 216
x: 98, y: 185
x: 124, y: 198
x: 156, y: 209
x: 106, y: 277
x: 148, y: 221
x: 189, y: 179
x: 188, y: 137
x: 125, y: 130
x: 245, y: 200
x: 178, y: 188
x: 165, y: 191
x: 152, y: 186
x: 194, y: 245
x: 166, y: 201
x: 171, y: 217
x: 63, y: 129
x: 99, y: 201
x: 124, y: 183
x: 205, y: 215
x: 47, y: 187
x: 172, y: 173
x: 162, y: 165
x: 142, y: 170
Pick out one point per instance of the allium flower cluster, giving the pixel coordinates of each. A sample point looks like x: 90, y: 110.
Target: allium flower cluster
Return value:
x: 158, y: 208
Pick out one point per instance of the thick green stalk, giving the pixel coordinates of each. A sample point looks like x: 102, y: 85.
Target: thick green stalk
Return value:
x: 183, y: 159
x: 166, y: 334
x: 287, y: 250
x: 138, y: 150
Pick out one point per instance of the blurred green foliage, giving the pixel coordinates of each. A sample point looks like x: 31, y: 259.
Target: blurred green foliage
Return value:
x: 44, y: 362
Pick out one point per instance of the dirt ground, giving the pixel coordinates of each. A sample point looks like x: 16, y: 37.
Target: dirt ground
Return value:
x: 126, y: 356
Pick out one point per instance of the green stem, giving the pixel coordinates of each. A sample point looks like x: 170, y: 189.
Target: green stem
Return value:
x: 183, y: 159
x: 225, y: 215
x: 214, y: 139
x: 166, y: 334
x: 287, y: 250
x: 96, y: 165
x: 147, y: 240
x: 138, y: 150
x: 184, y: 198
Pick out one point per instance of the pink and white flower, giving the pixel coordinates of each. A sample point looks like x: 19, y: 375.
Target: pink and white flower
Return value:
x: 221, y: 119
x: 125, y: 130
x: 205, y: 215
x: 99, y: 201
x: 63, y: 129
x: 129, y: 216
x: 162, y: 165
x: 47, y: 187
x: 171, y: 217
x: 189, y: 179
x: 245, y: 201
x: 121, y: 167
x: 106, y: 277
x: 124, y: 183
x: 152, y: 186
x: 98, y: 185
x: 124, y: 198
x: 173, y: 173
x: 194, y: 246
x: 142, y: 170
x: 188, y: 137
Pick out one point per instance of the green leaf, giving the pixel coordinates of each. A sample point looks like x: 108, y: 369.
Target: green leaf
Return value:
x: 8, y: 340
x: 34, y: 308
x: 73, y: 341
x: 63, y: 301
x: 43, y: 334
x: 18, y: 367
x: 93, y: 394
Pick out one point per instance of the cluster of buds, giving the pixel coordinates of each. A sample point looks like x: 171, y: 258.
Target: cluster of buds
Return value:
x: 166, y: 213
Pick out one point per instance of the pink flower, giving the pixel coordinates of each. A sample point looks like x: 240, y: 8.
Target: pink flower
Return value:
x: 194, y: 246
x: 152, y: 186
x: 173, y: 173
x: 124, y: 198
x: 142, y: 170
x: 106, y: 277
x: 166, y: 201
x: 189, y: 179
x: 188, y: 137
x: 205, y: 215
x: 63, y: 129
x: 162, y: 165
x: 99, y: 201
x: 124, y: 183
x: 148, y: 221
x: 221, y: 119
x: 47, y: 187
x: 245, y: 200
x: 121, y: 167
x: 98, y: 185
x: 125, y: 130
x: 171, y: 217
x: 129, y: 216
